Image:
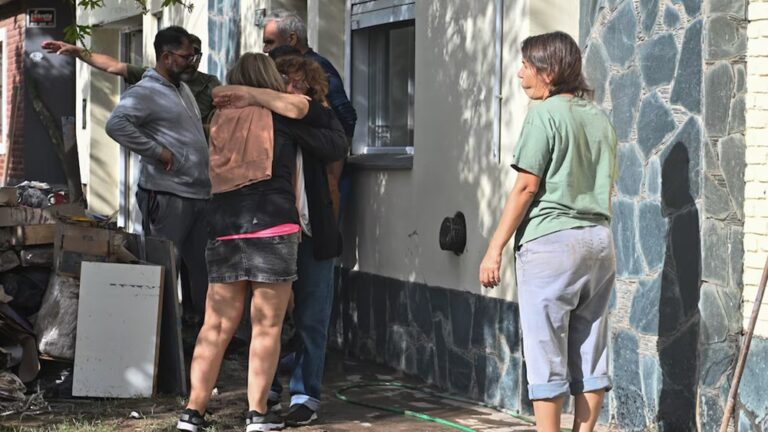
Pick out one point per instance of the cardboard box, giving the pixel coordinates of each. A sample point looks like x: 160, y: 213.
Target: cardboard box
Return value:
x: 13, y: 216
x: 37, y: 257
x: 74, y: 244
x: 32, y: 235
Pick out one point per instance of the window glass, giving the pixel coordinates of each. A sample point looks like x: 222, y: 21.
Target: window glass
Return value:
x: 383, y: 87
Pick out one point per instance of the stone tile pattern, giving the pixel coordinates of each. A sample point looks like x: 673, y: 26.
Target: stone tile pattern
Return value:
x: 223, y: 36
x: 756, y: 175
x: 464, y: 343
x: 671, y: 74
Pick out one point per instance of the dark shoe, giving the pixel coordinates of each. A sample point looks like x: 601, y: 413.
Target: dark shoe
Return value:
x: 300, y: 415
x: 274, y: 405
x: 257, y: 422
x: 191, y: 421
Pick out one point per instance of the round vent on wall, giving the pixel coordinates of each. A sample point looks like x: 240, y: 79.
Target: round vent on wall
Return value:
x: 453, y: 234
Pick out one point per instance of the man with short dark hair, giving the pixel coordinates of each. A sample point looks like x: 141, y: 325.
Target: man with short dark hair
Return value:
x: 201, y: 85
x: 159, y: 119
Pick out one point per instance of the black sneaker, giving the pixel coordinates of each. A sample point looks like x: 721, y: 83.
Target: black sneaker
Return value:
x: 274, y: 405
x: 300, y: 415
x: 257, y: 422
x: 191, y: 421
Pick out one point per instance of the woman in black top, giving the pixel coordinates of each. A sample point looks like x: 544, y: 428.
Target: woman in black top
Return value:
x: 321, y: 243
x: 253, y: 240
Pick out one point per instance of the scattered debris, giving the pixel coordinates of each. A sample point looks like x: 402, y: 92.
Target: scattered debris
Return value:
x: 13, y: 400
x: 11, y: 387
x: 57, y: 320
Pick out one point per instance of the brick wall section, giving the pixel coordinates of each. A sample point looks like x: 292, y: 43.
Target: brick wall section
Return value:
x: 13, y: 19
x: 756, y: 176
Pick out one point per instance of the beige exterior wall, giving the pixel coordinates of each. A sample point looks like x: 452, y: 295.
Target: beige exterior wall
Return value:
x: 756, y: 177
x: 396, y: 215
x: 102, y: 92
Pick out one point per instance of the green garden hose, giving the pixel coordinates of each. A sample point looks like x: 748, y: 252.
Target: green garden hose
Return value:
x: 421, y: 416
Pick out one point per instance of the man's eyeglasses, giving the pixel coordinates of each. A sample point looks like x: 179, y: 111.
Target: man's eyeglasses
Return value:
x: 189, y: 58
x: 298, y: 85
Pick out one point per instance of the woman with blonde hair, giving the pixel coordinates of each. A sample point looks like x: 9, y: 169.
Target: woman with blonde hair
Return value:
x: 253, y: 226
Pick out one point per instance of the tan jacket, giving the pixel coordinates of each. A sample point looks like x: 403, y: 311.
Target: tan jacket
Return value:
x: 241, y: 147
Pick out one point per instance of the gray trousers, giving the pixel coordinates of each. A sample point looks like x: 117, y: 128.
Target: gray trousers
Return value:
x: 181, y: 220
x: 564, y: 284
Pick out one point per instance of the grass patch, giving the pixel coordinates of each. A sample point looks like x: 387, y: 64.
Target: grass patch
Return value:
x: 71, y: 425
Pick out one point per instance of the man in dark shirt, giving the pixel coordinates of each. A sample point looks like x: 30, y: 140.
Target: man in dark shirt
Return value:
x: 313, y: 294
x: 201, y: 84
x: 286, y: 28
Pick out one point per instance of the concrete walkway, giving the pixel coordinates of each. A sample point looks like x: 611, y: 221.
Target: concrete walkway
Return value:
x: 340, y: 416
x: 228, y: 406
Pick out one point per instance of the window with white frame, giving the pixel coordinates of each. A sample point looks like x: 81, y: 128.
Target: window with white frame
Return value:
x: 383, y: 72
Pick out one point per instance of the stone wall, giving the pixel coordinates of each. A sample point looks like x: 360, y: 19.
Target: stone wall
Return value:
x: 671, y: 75
x: 465, y: 343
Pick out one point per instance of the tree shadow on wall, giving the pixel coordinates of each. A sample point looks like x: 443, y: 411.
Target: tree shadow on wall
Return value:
x: 679, y: 317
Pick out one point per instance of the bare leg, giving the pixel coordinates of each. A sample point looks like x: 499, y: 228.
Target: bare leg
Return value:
x: 547, y: 413
x: 587, y: 410
x: 267, y: 311
x: 223, y: 310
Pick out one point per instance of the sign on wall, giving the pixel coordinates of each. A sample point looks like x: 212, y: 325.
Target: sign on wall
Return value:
x: 41, y: 17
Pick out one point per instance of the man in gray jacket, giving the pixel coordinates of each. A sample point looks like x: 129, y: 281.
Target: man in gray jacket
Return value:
x: 158, y: 118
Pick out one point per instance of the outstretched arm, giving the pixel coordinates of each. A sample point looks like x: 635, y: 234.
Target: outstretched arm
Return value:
x: 235, y: 96
x: 101, y: 62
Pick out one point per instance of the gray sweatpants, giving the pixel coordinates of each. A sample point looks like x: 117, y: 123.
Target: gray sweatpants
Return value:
x: 564, y: 283
x: 181, y: 220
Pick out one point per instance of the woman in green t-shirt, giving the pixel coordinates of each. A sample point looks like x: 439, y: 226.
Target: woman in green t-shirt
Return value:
x: 559, y: 208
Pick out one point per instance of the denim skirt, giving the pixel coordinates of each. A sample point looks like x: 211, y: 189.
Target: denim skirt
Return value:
x: 266, y: 259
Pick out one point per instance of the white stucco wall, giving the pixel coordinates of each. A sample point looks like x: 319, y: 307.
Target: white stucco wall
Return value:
x: 392, y: 229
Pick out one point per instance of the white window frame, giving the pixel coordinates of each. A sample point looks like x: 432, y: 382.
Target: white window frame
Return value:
x: 363, y: 14
x: 129, y: 215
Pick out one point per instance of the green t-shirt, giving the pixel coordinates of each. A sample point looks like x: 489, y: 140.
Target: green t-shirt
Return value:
x: 201, y: 86
x: 571, y: 146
